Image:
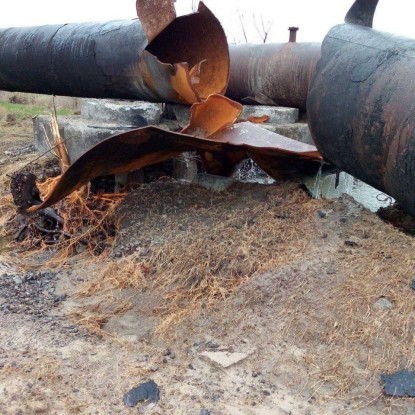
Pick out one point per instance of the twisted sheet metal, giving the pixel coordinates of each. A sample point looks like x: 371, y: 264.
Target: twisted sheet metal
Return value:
x: 211, y: 129
x: 273, y: 74
x: 361, y: 105
x: 158, y: 58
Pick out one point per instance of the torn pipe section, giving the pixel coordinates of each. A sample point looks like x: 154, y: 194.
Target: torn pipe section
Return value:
x: 362, y: 104
x: 273, y: 74
x: 211, y: 129
x: 186, y: 62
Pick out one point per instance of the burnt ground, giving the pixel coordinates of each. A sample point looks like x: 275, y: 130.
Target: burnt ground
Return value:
x: 316, y: 293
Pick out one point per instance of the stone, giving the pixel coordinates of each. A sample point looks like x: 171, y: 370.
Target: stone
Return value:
x: 400, y: 384
x: 322, y: 213
x: 147, y: 392
x: 127, y: 113
x: 225, y: 359
x: 212, y: 182
x: 277, y: 115
x: 352, y: 242
x: 383, y: 304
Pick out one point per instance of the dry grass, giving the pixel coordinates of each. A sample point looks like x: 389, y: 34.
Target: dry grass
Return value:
x: 93, y: 317
x: 356, y: 340
x: 40, y: 100
x: 7, y: 213
x: 3, y: 114
x: 89, y: 223
x: 210, y: 249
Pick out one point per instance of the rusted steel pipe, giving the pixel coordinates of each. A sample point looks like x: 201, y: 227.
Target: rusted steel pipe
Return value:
x: 182, y: 59
x: 273, y: 74
x: 362, y: 104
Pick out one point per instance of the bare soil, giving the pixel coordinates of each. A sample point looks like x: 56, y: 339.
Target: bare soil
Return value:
x: 320, y: 291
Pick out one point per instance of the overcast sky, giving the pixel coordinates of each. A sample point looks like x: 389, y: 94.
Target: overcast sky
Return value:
x: 314, y: 17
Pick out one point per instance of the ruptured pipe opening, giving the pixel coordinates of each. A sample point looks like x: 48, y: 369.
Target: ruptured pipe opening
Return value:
x: 196, y: 47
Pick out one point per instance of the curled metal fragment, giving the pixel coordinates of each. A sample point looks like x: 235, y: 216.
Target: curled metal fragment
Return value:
x: 362, y: 13
x: 361, y: 105
x: 211, y: 131
x: 155, y: 58
x: 272, y: 74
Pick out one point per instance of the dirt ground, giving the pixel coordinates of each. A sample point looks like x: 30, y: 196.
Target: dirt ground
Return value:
x: 316, y: 294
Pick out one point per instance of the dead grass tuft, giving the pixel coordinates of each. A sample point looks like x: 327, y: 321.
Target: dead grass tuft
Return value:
x: 7, y: 213
x: 358, y: 340
x: 89, y: 222
x: 210, y: 248
x: 93, y: 317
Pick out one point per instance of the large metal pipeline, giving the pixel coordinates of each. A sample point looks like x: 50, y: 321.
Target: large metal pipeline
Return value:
x: 361, y: 105
x: 273, y: 74
x: 157, y: 57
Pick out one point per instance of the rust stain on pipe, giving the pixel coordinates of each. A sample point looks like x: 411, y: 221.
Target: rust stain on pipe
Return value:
x: 362, y: 104
x: 159, y: 57
x: 211, y: 130
x: 273, y: 74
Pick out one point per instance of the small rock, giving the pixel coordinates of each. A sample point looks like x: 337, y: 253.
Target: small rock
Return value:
x: 400, y: 384
x: 266, y: 393
x: 147, y: 392
x: 60, y: 298
x: 322, y: 213
x: 413, y: 284
x: 225, y: 359
x: 205, y: 412
x: 343, y: 220
x: 383, y: 304
x: 352, y: 242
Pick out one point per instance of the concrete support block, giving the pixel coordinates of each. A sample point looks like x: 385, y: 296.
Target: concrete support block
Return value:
x: 185, y: 167
x: 277, y: 115
x: 79, y: 135
x: 298, y: 131
x: 178, y: 112
x: 42, y: 132
x: 124, y: 113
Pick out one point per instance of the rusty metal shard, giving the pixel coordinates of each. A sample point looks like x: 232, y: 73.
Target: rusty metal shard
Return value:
x: 212, y: 115
x: 146, y: 146
x: 185, y: 62
x: 258, y: 120
x: 361, y: 107
x: 155, y: 15
x: 362, y: 12
x: 272, y: 74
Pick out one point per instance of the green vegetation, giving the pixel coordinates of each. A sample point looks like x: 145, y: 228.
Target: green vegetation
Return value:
x: 22, y: 111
